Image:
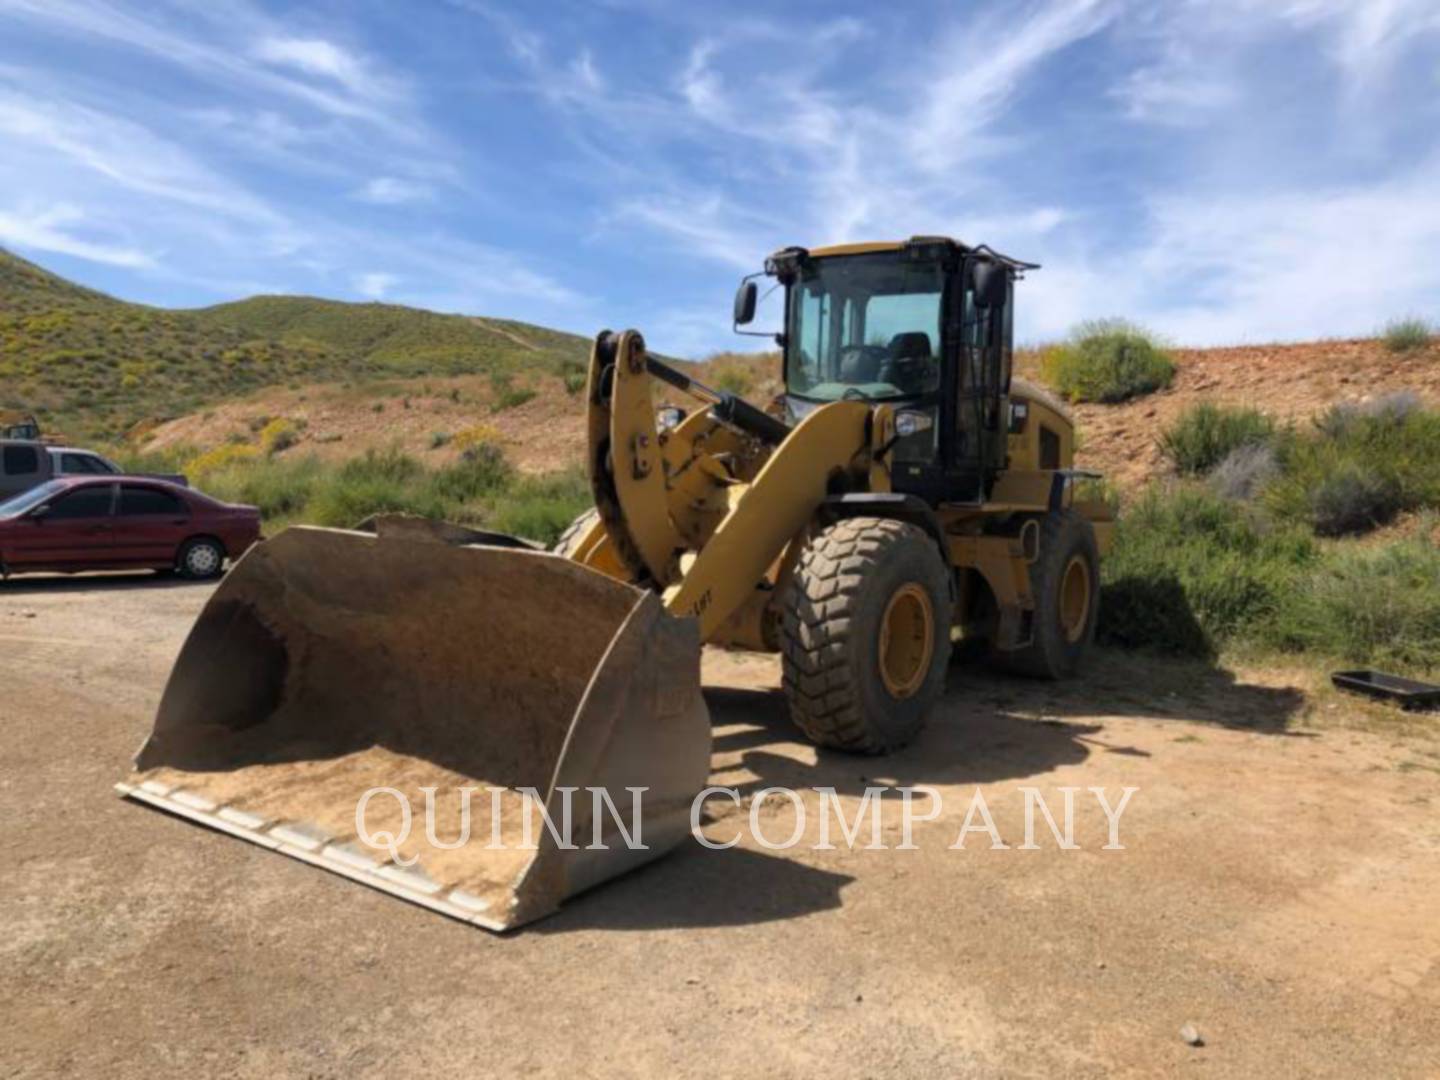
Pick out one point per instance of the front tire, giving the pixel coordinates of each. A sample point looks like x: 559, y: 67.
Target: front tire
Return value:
x: 200, y: 559
x: 866, y: 634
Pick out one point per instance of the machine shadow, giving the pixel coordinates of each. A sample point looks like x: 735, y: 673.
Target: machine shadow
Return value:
x: 696, y: 887
x: 962, y: 744
x: 1120, y: 683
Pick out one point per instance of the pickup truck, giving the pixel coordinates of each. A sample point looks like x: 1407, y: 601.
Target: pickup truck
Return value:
x: 24, y: 464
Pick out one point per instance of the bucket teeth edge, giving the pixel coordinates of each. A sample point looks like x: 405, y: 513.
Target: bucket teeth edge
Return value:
x: 347, y: 860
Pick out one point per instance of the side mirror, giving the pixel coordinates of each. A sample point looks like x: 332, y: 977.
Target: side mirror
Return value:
x: 745, y: 299
x: 989, y: 281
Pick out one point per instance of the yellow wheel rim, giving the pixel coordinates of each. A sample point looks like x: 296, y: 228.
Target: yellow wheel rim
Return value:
x: 1075, y: 598
x: 907, y: 640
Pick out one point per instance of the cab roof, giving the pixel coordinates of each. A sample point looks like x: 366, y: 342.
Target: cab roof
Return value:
x: 872, y: 246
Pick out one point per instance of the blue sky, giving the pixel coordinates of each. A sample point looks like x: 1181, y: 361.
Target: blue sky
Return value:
x: 1222, y: 170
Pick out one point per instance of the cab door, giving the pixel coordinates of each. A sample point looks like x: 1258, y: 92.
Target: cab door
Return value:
x: 22, y: 467
x: 72, y: 530
x: 150, y: 524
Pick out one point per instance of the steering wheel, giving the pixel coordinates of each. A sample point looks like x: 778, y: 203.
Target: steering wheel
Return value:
x: 853, y: 393
x: 904, y: 370
x: 864, y: 357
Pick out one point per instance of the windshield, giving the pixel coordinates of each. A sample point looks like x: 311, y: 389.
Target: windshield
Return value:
x: 29, y: 499
x: 864, y: 326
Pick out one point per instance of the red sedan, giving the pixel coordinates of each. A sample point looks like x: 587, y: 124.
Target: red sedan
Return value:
x: 122, y: 523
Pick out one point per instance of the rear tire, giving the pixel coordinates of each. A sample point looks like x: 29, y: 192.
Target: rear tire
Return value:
x: 571, y: 537
x: 200, y: 559
x: 1065, y: 581
x: 866, y: 634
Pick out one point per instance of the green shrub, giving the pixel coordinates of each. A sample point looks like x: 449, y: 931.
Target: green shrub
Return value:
x: 279, y: 434
x: 1362, y: 465
x: 439, y: 439
x: 280, y: 488
x: 541, y: 507
x: 575, y: 382
x: 1245, y: 471
x: 512, y: 397
x: 735, y: 380
x: 379, y: 481
x: 1205, y: 434
x: 1406, y: 335
x: 388, y: 466
x: 1371, y: 606
x: 1107, y: 360
x: 171, y: 459
x: 1191, y: 571
x: 1342, y: 419
x: 1353, y: 500
x: 480, y: 470
x: 225, y: 456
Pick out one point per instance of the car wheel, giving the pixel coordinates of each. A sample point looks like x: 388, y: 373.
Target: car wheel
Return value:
x: 201, y: 559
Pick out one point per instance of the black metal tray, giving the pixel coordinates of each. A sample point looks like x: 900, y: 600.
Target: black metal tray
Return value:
x: 1407, y: 693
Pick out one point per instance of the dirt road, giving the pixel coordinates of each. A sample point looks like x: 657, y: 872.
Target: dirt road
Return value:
x: 1279, y: 888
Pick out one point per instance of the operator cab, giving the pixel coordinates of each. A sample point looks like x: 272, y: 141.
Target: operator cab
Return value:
x: 925, y: 326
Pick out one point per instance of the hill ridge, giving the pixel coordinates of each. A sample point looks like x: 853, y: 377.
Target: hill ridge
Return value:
x: 95, y: 365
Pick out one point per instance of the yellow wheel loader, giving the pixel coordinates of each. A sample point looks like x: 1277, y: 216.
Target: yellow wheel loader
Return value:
x: 345, y: 696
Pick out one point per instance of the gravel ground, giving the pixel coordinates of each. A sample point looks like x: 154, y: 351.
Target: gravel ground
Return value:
x: 1277, y: 893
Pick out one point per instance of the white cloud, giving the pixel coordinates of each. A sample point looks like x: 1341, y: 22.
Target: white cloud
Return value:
x: 982, y: 67
x: 122, y: 152
x: 315, y: 56
x: 392, y: 191
x: 215, y: 43
x: 1365, y: 36
x: 1297, y: 264
x: 708, y: 225
x: 1172, y: 93
x: 375, y: 285
x: 46, y: 230
x: 585, y: 72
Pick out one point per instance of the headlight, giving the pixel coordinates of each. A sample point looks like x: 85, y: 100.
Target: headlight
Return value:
x: 910, y: 423
x: 668, y: 418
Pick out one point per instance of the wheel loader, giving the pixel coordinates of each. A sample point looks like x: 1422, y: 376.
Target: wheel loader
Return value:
x: 903, y: 493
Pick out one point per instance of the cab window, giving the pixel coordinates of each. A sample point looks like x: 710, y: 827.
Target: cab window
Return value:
x: 87, y: 502
x: 86, y: 464
x: 20, y: 460
x: 149, y: 502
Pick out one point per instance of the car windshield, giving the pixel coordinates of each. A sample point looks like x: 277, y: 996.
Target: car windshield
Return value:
x: 29, y: 500
x: 864, y: 326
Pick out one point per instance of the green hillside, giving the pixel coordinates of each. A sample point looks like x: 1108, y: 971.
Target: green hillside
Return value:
x: 93, y: 366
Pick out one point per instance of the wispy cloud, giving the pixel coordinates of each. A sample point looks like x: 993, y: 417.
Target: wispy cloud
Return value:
x: 315, y: 56
x: 122, y: 152
x: 392, y: 191
x: 230, y: 45
x: 375, y: 285
x: 1197, y: 164
x: 52, y: 230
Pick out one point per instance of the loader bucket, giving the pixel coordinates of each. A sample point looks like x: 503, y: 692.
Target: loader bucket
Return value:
x: 333, y: 663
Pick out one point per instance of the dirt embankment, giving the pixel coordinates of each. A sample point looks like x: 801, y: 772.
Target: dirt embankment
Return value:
x: 1291, y: 382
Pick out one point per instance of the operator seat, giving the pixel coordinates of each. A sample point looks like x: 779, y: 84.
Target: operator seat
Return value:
x: 911, y: 345
x: 909, y: 363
